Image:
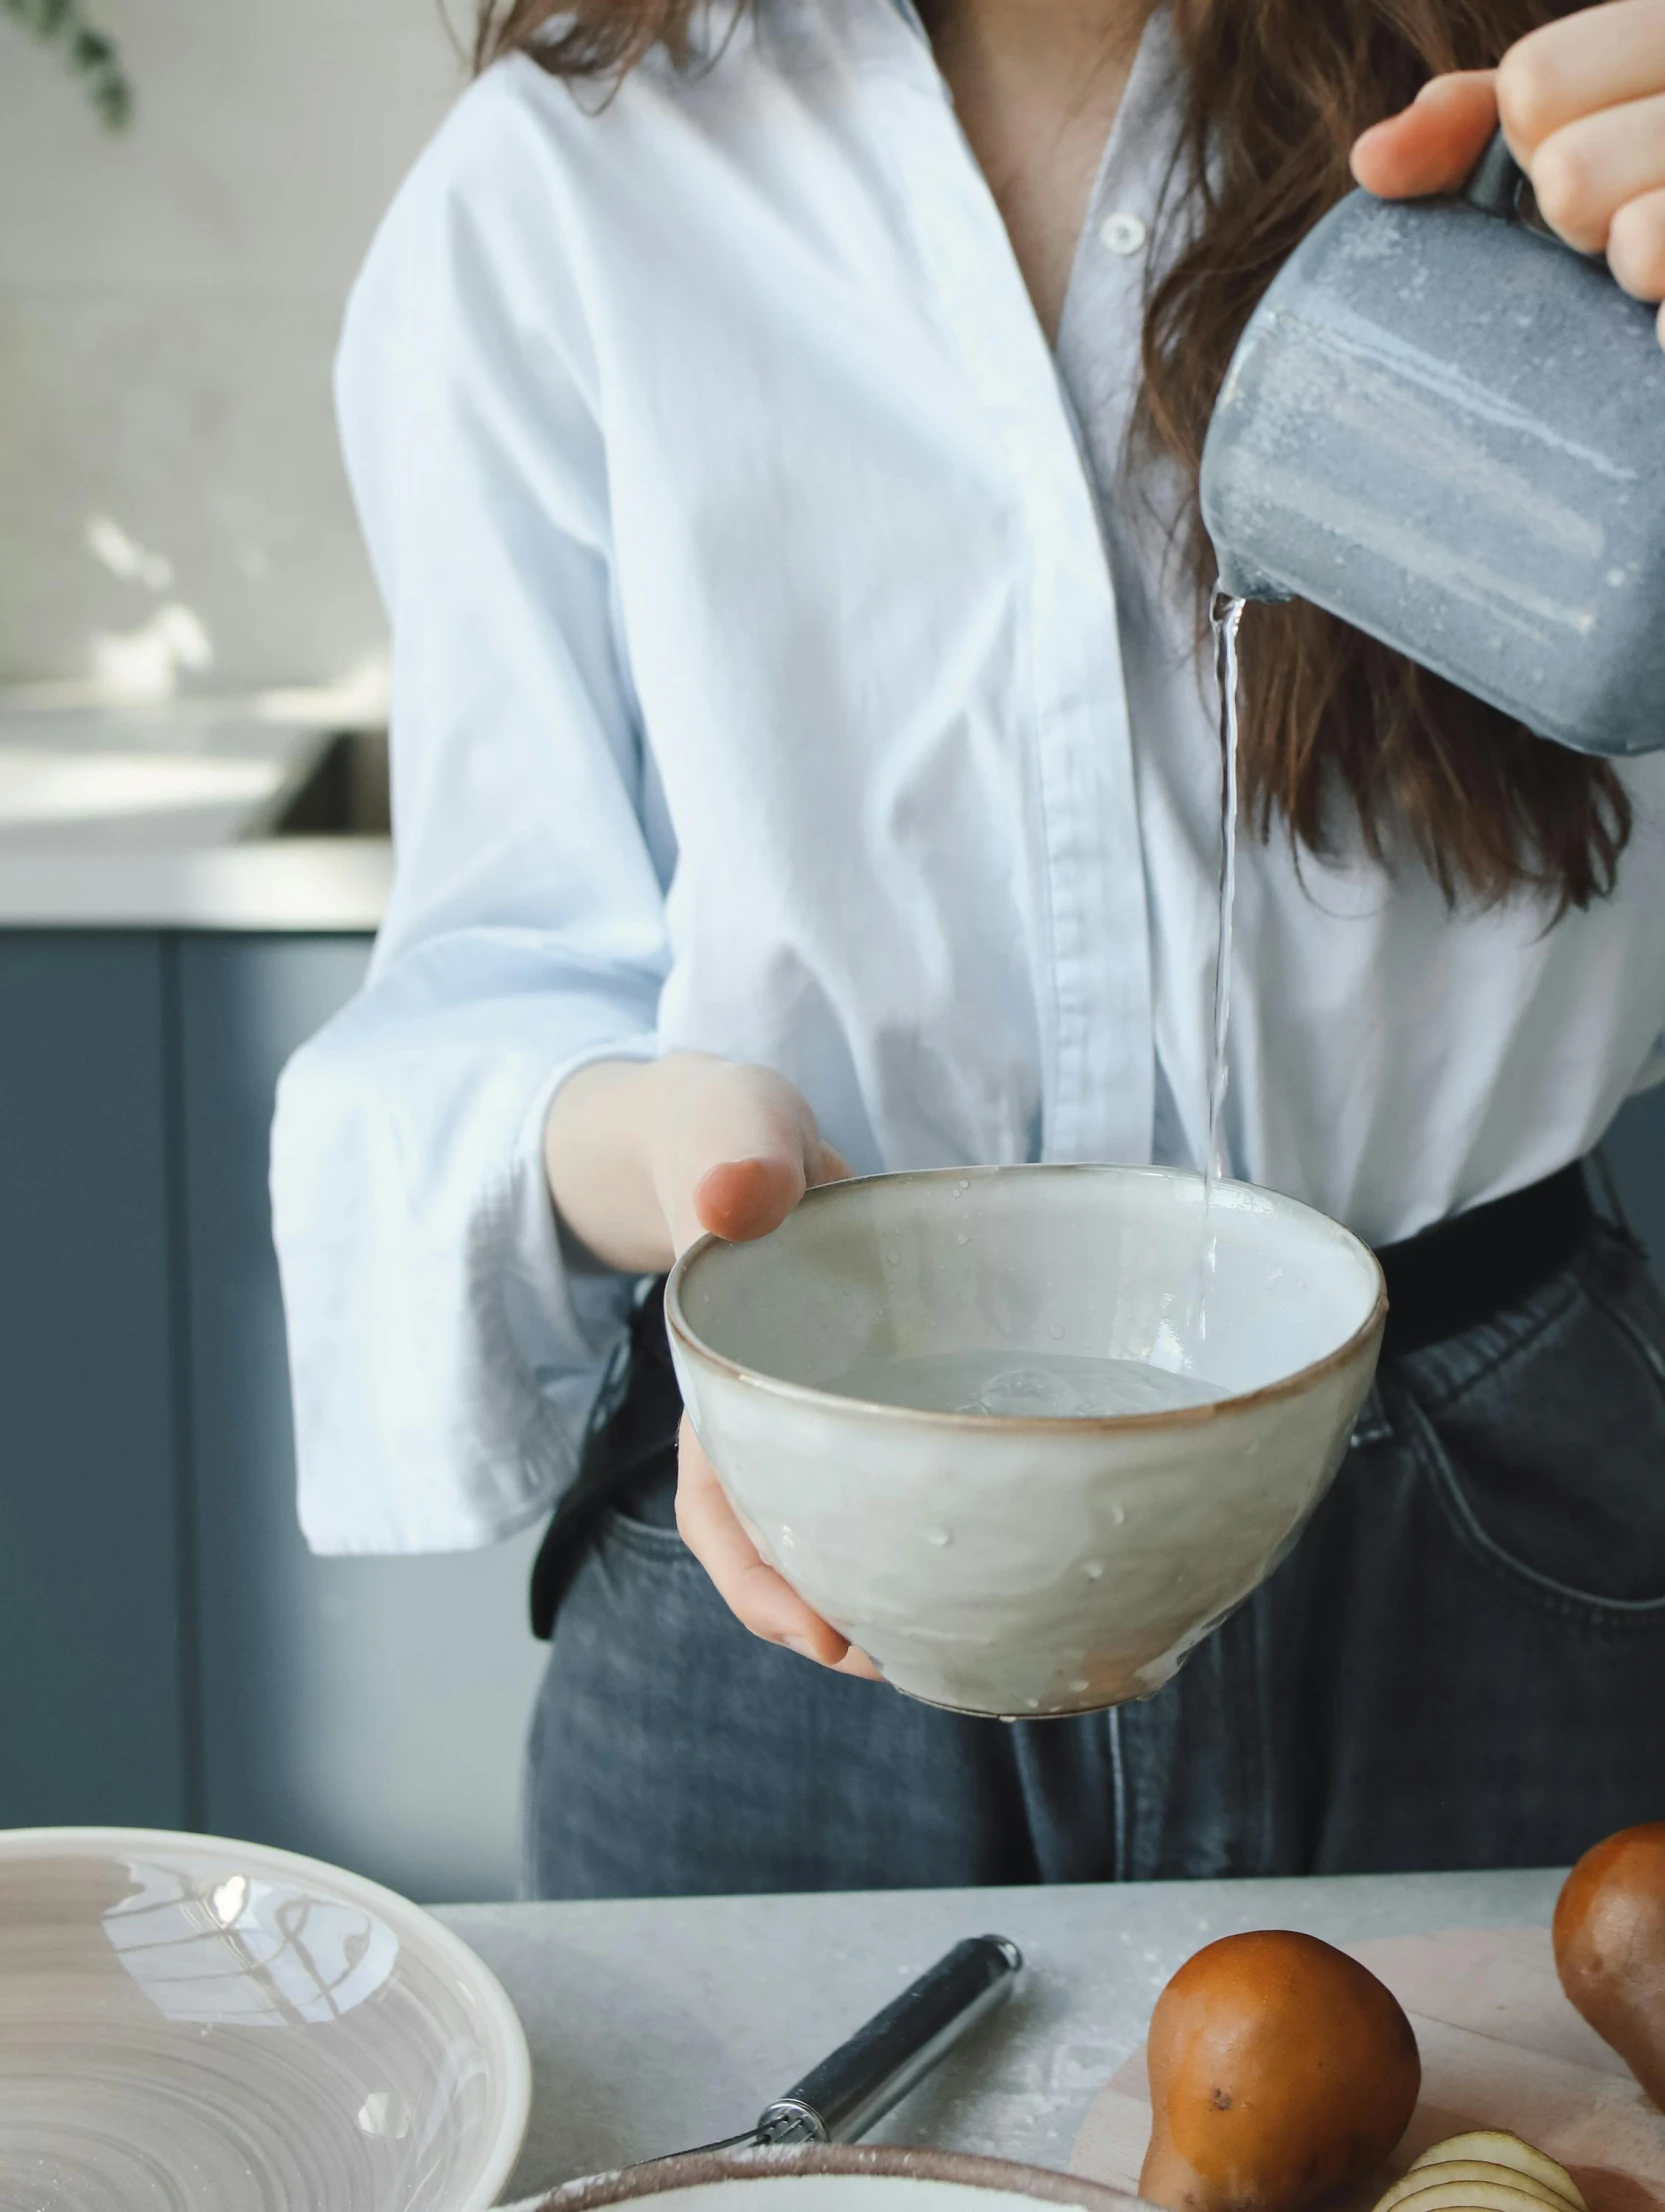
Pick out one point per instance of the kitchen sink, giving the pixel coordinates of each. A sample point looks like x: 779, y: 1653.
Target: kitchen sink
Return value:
x: 181, y: 775
x: 343, y: 792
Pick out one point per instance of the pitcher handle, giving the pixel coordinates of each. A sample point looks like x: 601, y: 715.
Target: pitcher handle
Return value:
x: 1495, y: 181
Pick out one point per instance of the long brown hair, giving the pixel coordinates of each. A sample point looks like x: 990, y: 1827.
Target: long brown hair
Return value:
x: 1277, y: 92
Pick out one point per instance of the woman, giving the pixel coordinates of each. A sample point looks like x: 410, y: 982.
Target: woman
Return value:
x: 777, y: 439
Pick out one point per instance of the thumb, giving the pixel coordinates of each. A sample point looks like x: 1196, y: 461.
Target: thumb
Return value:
x: 1433, y: 144
x: 746, y: 1149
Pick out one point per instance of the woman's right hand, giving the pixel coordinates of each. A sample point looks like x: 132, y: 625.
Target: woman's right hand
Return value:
x: 642, y: 1158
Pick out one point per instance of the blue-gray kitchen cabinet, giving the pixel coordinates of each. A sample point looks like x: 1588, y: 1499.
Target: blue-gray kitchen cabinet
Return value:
x: 1635, y: 1150
x: 368, y: 1710
x: 95, y: 1659
x: 170, y: 1654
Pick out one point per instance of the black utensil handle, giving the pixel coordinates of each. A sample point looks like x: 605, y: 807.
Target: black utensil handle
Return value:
x: 1495, y: 180
x: 846, y: 2094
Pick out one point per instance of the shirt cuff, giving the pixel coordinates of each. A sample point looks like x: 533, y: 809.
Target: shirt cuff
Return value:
x: 445, y: 1359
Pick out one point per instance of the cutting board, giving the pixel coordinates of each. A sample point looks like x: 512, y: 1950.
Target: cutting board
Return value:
x: 1501, y: 2047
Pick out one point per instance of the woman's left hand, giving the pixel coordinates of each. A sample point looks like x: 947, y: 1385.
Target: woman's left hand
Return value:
x: 1582, y: 104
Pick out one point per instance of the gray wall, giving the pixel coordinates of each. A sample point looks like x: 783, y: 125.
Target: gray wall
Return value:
x: 169, y: 299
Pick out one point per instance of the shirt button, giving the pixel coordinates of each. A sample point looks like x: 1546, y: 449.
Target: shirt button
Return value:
x: 1122, y: 233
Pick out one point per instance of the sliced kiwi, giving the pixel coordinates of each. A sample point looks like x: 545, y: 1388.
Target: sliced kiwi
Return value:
x: 1450, y: 2170
x: 1498, y: 2148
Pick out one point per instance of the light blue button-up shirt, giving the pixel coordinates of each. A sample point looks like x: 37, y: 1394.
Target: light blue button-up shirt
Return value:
x: 786, y: 665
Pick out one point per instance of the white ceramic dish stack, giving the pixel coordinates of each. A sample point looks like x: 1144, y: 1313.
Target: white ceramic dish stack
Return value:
x: 192, y: 2025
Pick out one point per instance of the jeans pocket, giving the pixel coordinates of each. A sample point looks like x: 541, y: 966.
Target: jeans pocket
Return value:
x: 640, y: 1515
x: 620, y: 1530
x: 1548, y: 1455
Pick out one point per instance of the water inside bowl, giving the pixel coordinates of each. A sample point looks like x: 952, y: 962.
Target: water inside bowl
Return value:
x: 1029, y: 1269
x: 1035, y: 1386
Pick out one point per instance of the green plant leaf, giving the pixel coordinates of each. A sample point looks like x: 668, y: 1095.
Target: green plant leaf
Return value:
x: 89, y: 53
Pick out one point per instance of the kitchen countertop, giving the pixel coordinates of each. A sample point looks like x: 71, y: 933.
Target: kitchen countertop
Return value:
x: 180, y: 814
x: 661, y: 2023
x: 288, y: 885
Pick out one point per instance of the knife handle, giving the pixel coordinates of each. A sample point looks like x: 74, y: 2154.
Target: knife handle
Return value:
x: 848, y: 2093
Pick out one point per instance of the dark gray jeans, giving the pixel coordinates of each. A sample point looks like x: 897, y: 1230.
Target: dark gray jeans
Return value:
x: 1462, y: 1664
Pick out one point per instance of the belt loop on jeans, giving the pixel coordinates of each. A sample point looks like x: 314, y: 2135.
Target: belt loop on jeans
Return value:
x: 1451, y: 1277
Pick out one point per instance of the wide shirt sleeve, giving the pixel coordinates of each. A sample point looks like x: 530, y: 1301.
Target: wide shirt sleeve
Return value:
x: 445, y: 1350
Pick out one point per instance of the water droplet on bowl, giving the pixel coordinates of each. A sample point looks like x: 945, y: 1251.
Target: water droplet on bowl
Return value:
x: 1118, y: 1514
x: 941, y: 1537
x: 964, y: 1183
x: 1093, y: 1569
x: 1033, y: 1704
x: 1055, y: 1332
x: 962, y: 1238
x: 1080, y: 1685
x: 893, y: 1259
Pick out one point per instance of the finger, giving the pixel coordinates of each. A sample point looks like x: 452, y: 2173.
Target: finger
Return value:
x: 1433, y: 144
x: 1582, y: 175
x: 1595, y: 58
x: 758, y: 1597
x: 1636, y: 246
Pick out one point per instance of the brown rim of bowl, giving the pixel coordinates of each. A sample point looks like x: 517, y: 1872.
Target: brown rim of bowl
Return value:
x: 1179, y: 1417
x: 695, y: 2169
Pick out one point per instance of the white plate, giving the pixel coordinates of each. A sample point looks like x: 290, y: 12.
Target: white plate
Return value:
x: 188, y: 2024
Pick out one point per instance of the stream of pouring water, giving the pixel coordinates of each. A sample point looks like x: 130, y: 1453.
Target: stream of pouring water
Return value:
x: 1226, y: 614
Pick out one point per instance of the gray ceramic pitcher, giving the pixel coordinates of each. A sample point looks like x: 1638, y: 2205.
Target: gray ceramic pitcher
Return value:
x: 1449, y: 429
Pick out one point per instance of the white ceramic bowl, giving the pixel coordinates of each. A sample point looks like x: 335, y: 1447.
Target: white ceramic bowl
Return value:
x: 1028, y: 1566
x: 843, y: 2177
x: 191, y: 2025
